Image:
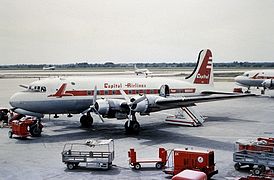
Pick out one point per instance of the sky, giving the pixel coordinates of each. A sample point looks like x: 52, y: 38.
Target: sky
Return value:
x: 130, y: 31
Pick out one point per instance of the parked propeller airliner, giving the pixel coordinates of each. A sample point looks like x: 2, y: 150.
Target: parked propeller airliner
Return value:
x: 119, y: 98
x: 257, y: 78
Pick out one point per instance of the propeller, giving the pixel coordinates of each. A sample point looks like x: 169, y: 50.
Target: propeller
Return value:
x: 92, y: 107
x: 132, y: 103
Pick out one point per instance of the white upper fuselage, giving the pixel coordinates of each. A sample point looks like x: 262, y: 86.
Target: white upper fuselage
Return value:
x: 78, y: 94
x: 254, y: 78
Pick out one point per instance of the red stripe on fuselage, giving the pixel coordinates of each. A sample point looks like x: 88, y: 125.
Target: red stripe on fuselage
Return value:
x: 130, y: 92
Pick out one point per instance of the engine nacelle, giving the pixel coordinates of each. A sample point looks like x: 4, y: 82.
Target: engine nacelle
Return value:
x: 112, y: 108
x: 143, y: 106
x: 269, y: 83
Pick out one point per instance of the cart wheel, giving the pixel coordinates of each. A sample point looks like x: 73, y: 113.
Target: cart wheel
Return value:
x: 70, y: 166
x: 262, y: 167
x: 257, y: 171
x: 10, y: 134
x: 76, y: 165
x: 159, y: 165
x: 35, y: 130
x: 137, y: 166
x: 237, y: 166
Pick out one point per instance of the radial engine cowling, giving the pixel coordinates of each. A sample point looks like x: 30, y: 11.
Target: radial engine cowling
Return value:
x: 110, y: 108
x: 145, y: 104
x: 269, y: 83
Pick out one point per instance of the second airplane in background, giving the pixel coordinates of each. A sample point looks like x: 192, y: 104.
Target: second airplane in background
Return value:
x: 257, y: 78
x: 138, y: 71
x: 119, y: 98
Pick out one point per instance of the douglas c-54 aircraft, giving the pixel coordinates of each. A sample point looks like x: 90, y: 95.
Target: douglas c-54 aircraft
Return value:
x: 120, y: 98
x: 257, y: 78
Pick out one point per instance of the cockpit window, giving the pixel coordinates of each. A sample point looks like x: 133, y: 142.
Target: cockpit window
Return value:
x: 37, y: 88
x: 246, y: 74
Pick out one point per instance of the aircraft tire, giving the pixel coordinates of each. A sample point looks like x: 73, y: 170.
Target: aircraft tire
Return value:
x: 86, y: 121
x: 133, y: 128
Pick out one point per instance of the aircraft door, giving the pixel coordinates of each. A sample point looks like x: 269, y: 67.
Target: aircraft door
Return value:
x: 164, y: 90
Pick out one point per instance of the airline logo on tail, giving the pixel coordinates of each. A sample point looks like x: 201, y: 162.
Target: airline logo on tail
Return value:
x: 204, y: 73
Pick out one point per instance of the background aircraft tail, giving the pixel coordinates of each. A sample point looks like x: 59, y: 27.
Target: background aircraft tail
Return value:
x: 203, y: 72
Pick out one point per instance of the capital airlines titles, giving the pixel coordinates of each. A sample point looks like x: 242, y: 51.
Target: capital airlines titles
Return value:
x: 121, y: 85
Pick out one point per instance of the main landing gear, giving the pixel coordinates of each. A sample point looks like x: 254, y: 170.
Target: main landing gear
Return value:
x: 132, y: 126
x: 86, y: 121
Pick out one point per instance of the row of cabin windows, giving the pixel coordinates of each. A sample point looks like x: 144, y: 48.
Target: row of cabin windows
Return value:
x: 117, y: 92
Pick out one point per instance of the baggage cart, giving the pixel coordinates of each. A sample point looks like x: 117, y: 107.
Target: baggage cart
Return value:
x: 97, y: 154
x: 260, y: 159
x: 159, y: 162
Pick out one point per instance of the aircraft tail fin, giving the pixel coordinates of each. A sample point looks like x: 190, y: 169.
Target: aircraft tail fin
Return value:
x: 203, y: 72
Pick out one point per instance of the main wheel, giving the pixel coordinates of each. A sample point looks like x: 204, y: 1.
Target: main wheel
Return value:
x: 70, y: 166
x: 159, y: 165
x: 35, y: 130
x: 132, y: 128
x: 135, y: 127
x: 86, y: 121
x: 137, y: 166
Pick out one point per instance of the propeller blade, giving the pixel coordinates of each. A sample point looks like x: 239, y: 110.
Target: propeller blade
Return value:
x: 125, y: 95
x: 98, y: 114
x: 94, y: 95
x: 87, y: 110
x: 143, y: 97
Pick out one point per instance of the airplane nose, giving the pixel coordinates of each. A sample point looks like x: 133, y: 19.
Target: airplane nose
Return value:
x: 237, y: 78
x: 15, y: 99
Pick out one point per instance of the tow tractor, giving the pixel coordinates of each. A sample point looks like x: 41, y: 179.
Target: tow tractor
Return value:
x: 182, y: 159
x: 258, y: 153
x: 159, y: 162
x: 24, y: 127
x: 97, y: 154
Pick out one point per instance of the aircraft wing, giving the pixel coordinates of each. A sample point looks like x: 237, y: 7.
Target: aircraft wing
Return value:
x: 190, y: 101
x: 212, y: 92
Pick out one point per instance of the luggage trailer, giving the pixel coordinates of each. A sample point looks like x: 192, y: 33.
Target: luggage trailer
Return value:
x: 97, y: 154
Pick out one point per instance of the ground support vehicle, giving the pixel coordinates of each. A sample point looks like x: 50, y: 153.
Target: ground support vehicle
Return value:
x: 25, y: 127
x: 97, y: 154
x: 259, y: 158
x: 159, y: 163
x: 182, y: 159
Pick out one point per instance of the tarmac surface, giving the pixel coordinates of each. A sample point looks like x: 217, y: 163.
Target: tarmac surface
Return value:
x: 228, y: 121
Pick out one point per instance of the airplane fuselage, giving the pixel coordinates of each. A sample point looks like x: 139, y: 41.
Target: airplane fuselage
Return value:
x: 40, y: 96
x: 254, y: 78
